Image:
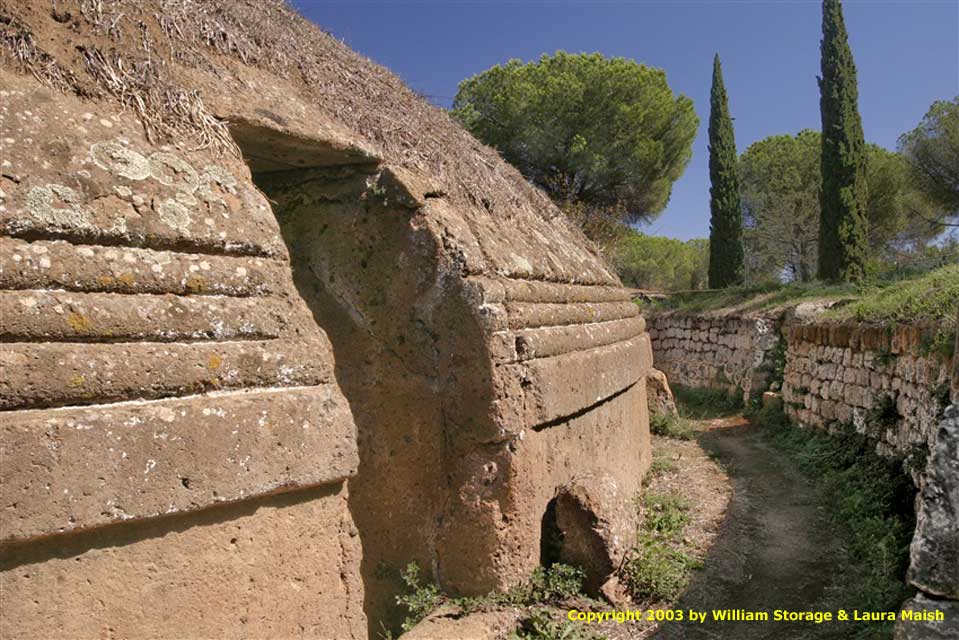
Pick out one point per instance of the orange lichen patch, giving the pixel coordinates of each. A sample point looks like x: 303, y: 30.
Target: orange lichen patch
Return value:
x: 77, y: 381
x: 195, y: 284
x: 126, y: 278
x: 79, y: 322
x: 214, y: 362
x: 106, y: 280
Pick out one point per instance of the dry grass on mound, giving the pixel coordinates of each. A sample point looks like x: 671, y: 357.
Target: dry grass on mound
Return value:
x: 126, y: 49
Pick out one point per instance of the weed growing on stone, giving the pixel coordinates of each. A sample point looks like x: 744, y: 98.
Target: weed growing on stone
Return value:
x: 872, y: 501
x: 671, y: 426
x: 884, y: 413
x: 545, y: 586
x: 420, y: 598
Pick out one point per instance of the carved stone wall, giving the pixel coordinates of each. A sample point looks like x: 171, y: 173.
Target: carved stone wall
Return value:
x: 171, y: 433
x: 716, y: 350
x: 883, y: 380
x: 210, y: 401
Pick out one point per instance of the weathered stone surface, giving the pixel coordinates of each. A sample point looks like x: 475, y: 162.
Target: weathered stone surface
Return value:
x: 59, y: 374
x: 162, y: 382
x: 530, y: 315
x: 833, y: 372
x: 659, y: 395
x: 518, y: 423
x: 730, y: 351
x: 845, y: 372
x: 74, y: 317
x: 58, y: 264
x: 79, y: 468
x: 934, y: 554
x: 490, y: 357
x: 280, y: 566
x: 449, y: 624
x: 946, y: 629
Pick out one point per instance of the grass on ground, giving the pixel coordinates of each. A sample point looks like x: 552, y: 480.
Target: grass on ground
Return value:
x: 871, y: 501
x: 658, y: 567
x: 703, y: 404
x: 546, y: 586
x: 671, y: 426
x: 750, y: 298
x: 930, y: 296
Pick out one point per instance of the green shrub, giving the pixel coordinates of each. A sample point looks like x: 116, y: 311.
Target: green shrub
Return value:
x: 884, y: 414
x: 420, y: 599
x: 699, y: 403
x: 552, y: 584
x: 671, y: 426
x: 540, y: 625
x: 665, y: 514
x: 656, y: 568
x: 656, y: 571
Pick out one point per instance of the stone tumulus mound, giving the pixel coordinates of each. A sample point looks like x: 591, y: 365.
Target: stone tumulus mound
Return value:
x: 273, y: 327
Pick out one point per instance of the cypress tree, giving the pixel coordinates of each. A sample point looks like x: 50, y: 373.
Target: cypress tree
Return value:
x: 843, y: 240
x: 726, y: 218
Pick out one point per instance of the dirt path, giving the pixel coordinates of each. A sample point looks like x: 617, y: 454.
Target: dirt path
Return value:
x: 775, y: 551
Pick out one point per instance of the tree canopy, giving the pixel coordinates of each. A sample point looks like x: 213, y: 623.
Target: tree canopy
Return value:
x: 843, y: 245
x: 932, y: 149
x: 605, y: 132
x: 780, y: 181
x: 660, y: 263
x: 725, y: 214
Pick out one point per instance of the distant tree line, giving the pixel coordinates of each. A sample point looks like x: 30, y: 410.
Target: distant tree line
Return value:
x: 662, y: 264
x: 606, y: 138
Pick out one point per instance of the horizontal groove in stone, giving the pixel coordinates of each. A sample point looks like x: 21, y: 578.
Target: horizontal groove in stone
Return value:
x: 505, y: 289
x: 200, y: 247
x: 566, y: 384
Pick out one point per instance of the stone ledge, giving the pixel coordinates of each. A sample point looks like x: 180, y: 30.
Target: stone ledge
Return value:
x: 72, y: 469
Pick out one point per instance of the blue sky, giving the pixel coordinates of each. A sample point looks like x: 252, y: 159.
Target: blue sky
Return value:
x: 907, y: 54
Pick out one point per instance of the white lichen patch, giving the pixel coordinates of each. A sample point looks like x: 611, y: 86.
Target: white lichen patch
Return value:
x: 173, y: 171
x: 40, y: 203
x: 118, y: 160
x: 175, y: 215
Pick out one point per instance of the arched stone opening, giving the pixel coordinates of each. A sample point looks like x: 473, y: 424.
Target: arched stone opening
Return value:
x: 569, y: 535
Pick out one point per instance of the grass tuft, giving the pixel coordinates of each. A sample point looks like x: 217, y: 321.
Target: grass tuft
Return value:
x: 657, y: 568
x: 666, y: 514
x: 540, y: 625
x: 658, y: 572
x: 701, y: 404
x: 671, y: 426
x: 546, y: 586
